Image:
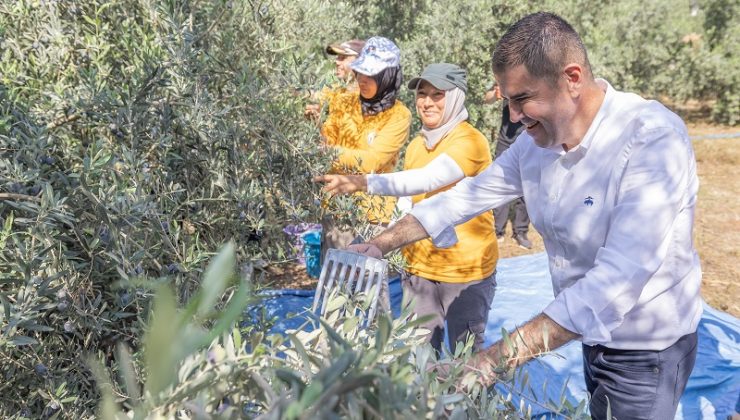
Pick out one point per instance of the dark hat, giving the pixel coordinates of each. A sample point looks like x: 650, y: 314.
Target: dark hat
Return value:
x: 443, y: 76
x: 351, y: 47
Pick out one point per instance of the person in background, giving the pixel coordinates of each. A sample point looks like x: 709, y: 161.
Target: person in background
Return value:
x: 456, y: 285
x: 367, y: 130
x: 345, y: 53
x: 507, y: 134
x: 611, y: 185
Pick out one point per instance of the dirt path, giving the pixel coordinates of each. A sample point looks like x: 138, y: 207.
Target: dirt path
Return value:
x: 716, y: 233
x: 717, y: 229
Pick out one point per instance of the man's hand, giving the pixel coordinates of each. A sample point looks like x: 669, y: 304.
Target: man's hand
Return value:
x: 526, y: 342
x: 366, y: 249
x: 342, y: 184
x: 482, y: 368
x: 478, y: 370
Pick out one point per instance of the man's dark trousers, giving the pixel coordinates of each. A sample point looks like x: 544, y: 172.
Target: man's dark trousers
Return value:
x: 638, y: 384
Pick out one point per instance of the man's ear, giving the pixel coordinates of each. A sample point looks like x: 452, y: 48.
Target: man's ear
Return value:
x: 574, y: 77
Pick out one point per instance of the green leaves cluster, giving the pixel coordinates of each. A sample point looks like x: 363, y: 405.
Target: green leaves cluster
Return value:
x: 174, y: 341
x: 664, y: 50
x: 658, y: 49
x: 136, y: 137
x: 336, y: 369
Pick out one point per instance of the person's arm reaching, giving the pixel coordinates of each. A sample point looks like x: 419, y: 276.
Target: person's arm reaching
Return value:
x: 536, y: 337
x: 438, y: 173
x: 406, y: 231
x: 499, y: 183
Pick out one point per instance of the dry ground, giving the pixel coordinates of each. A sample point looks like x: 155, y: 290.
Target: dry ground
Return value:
x: 717, y: 229
x: 716, y: 233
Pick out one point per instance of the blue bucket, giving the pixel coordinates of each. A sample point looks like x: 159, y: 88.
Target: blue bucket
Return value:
x: 312, y: 252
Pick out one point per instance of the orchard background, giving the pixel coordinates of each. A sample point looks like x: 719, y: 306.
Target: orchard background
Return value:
x: 139, y: 136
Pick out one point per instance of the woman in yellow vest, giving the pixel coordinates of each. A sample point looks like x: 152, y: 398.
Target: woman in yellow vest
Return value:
x: 455, y: 284
x: 368, y: 130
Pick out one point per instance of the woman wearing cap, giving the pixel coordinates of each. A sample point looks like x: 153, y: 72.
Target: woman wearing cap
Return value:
x: 345, y: 53
x: 456, y: 284
x: 368, y: 130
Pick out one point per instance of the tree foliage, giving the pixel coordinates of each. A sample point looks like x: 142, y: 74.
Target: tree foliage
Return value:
x: 138, y: 136
x: 329, y: 368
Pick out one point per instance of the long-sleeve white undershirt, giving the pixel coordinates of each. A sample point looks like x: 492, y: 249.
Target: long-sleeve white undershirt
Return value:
x: 438, y: 173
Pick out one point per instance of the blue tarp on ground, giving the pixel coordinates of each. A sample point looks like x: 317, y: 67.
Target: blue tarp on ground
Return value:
x: 524, y: 289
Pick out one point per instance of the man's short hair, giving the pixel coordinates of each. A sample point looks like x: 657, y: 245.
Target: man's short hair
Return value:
x: 544, y: 43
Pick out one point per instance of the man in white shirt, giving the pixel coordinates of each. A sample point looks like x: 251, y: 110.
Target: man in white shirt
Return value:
x: 610, y: 182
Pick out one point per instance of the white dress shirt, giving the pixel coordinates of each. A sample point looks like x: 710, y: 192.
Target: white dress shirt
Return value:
x: 616, y: 215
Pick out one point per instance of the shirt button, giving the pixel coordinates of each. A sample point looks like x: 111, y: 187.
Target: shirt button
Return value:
x: 553, y: 197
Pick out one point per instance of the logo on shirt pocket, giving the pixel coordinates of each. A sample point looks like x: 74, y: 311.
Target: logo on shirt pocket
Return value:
x: 589, y: 201
x: 370, y: 138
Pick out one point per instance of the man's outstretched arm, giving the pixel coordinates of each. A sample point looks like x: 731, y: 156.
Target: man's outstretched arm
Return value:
x: 406, y: 231
x: 538, y: 336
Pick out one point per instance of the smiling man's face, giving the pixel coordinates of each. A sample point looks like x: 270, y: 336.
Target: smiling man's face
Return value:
x: 546, y: 110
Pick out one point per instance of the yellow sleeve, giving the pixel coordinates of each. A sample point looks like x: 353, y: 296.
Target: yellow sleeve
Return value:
x: 330, y: 128
x: 383, y: 150
x: 327, y: 95
x: 339, y: 120
x: 470, y: 152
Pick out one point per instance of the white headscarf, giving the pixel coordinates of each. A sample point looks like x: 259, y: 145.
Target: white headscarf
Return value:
x: 454, y: 114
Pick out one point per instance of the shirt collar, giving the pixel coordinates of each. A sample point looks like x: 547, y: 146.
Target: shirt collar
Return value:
x: 588, y: 139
